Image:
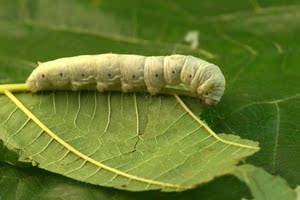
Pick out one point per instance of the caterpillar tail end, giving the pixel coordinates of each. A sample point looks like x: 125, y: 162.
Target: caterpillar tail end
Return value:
x: 31, y: 84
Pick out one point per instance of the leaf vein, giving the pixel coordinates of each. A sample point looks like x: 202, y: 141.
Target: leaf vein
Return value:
x: 209, y: 129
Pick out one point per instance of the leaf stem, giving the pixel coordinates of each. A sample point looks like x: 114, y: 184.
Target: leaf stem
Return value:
x: 15, y: 87
x: 168, y: 90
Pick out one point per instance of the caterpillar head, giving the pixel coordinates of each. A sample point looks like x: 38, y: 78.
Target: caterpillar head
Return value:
x: 212, y: 89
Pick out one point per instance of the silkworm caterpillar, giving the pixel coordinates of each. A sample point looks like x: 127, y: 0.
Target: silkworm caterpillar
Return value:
x: 105, y: 72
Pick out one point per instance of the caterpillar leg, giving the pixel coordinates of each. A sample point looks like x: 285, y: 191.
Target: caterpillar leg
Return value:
x: 101, y: 87
x: 75, y: 86
x: 152, y: 91
x: 126, y: 87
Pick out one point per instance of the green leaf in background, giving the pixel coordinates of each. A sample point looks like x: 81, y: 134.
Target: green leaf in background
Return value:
x: 256, y: 44
x: 264, y: 186
x: 8, y: 155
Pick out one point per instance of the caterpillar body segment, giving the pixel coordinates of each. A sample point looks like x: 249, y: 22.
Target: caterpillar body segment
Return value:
x: 172, y: 68
x: 132, y: 71
x: 108, y: 73
x: 154, y: 74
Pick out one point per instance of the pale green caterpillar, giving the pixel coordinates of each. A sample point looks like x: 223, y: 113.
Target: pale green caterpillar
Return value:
x: 106, y: 72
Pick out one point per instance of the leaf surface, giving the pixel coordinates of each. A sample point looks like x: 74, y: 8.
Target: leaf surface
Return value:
x: 132, y: 142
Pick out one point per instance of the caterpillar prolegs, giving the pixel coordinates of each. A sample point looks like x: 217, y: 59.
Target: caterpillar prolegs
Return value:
x: 106, y: 72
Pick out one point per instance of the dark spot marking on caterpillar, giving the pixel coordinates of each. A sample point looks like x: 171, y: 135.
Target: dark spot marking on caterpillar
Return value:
x: 43, y: 75
x: 82, y: 75
x: 123, y: 186
x: 133, y: 76
x: 206, y: 93
x: 173, y: 72
x: 156, y: 75
x: 109, y: 75
x: 191, y: 75
x: 61, y: 74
